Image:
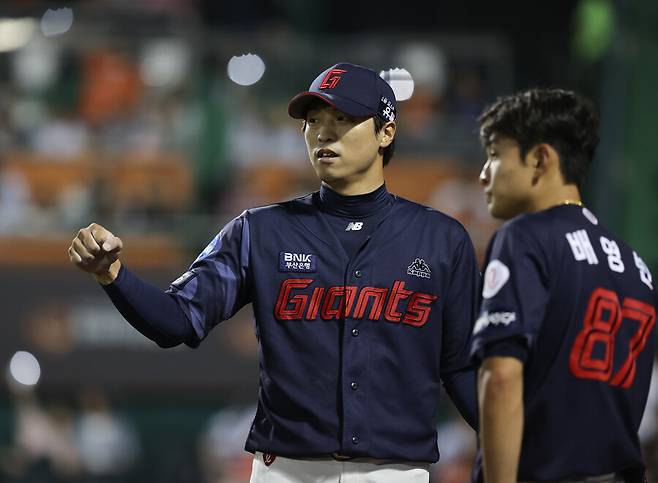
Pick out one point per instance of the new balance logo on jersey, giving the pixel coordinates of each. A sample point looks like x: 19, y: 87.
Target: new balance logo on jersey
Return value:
x: 354, y: 226
x: 297, y: 262
x: 419, y: 268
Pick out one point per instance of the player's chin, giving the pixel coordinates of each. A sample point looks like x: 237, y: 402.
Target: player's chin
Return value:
x: 498, y: 210
x: 327, y: 173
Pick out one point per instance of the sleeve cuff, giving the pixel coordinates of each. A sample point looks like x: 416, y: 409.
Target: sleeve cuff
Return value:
x: 515, y: 347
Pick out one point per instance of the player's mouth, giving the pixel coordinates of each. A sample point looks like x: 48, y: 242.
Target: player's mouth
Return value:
x: 325, y: 155
x: 488, y: 196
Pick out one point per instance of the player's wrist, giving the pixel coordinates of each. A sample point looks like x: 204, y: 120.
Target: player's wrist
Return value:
x: 110, y: 275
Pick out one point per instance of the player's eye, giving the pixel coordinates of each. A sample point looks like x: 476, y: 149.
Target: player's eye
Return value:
x: 345, y: 118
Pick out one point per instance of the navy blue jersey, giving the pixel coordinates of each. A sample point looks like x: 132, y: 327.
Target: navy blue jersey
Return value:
x: 352, y: 350
x: 578, y: 306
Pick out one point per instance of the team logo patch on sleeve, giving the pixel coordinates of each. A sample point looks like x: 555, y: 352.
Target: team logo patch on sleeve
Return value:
x: 297, y: 262
x: 495, y: 277
x: 181, y: 281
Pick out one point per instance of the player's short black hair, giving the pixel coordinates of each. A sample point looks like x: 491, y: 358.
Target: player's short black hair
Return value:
x: 565, y: 120
x: 379, y: 125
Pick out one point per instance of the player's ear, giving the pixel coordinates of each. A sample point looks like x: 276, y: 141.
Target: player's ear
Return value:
x: 387, y: 134
x: 543, y: 158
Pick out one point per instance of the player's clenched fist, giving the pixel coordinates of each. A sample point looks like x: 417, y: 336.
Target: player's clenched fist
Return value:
x: 96, y: 250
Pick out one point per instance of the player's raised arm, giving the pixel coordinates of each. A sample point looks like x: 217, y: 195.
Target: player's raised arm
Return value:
x: 96, y: 250
x: 155, y: 314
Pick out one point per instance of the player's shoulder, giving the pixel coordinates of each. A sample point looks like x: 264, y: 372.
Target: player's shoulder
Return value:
x: 429, y: 215
x: 546, y: 224
x: 282, y: 208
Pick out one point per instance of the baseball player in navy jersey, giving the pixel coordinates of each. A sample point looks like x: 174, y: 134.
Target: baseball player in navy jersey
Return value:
x: 565, y: 335
x: 364, y: 302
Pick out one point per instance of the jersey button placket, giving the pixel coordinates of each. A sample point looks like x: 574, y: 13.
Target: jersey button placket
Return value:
x: 354, y: 367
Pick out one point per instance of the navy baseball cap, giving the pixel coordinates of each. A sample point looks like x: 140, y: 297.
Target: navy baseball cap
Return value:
x: 352, y: 89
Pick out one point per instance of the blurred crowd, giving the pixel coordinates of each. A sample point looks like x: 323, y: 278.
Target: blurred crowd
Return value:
x: 136, y: 129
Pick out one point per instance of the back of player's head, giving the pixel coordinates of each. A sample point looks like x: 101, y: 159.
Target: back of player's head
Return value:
x: 561, y: 118
x: 354, y: 90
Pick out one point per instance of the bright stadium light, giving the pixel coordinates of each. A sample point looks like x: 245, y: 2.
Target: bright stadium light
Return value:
x: 24, y: 368
x: 56, y: 22
x: 15, y: 33
x: 400, y: 81
x: 165, y: 63
x: 246, y: 70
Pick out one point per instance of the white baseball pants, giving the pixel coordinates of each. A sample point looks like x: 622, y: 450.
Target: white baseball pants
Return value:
x: 361, y: 470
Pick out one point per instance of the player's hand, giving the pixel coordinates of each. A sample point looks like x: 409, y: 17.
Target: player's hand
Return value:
x: 96, y: 250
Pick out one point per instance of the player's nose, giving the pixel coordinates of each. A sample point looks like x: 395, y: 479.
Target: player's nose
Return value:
x: 484, y: 174
x: 326, y: 133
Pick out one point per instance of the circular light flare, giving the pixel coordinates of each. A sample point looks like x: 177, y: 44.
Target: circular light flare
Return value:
x: 400, y: 81
x: 164, y: 63
x: 246, y: 69
x: 36, y: 65
x: 15, y: 33
x: 24, y: 368
x: 56, y: 21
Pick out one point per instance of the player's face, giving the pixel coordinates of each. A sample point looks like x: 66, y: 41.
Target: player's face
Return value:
x: 344, y: 150
x: 506, y: 178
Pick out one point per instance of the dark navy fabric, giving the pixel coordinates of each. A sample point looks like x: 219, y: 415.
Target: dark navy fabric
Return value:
x: 352, y: 353
x: 153, y: 313
x: 578, y: 306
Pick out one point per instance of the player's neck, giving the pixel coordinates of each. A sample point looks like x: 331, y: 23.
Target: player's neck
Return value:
x: 352, y: 188
x: 355, y: 205
x: 564, y: 194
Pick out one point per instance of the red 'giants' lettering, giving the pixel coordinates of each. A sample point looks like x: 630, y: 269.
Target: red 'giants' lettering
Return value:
x: 340, y: 302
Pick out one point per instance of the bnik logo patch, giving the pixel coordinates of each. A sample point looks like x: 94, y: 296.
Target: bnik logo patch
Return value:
x: 297, y: 262
x: 419, y: 268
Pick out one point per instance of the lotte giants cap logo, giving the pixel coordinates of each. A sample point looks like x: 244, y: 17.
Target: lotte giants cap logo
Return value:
x: 332, y: 78
x: 352, y: 89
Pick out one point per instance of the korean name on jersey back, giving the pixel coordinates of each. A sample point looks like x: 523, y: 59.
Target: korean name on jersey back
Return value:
x: 297, y: 301
x: 583, y: 250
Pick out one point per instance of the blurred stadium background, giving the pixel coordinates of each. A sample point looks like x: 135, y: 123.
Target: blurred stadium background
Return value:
x: 150, y: 118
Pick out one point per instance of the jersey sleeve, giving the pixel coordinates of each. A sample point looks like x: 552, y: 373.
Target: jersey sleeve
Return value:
x: 460, y: 307
x: 515, y: 294
x: 216, y: 285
